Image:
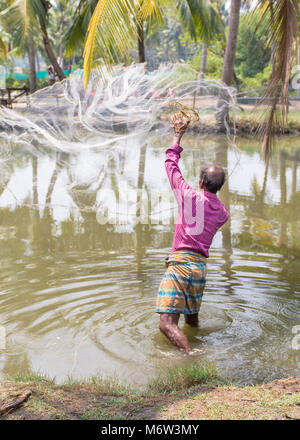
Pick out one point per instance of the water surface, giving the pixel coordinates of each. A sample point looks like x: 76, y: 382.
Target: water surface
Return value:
x: 77, y: 297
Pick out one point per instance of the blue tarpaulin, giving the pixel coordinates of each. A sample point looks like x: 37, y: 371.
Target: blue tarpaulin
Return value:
x: 22, y: 76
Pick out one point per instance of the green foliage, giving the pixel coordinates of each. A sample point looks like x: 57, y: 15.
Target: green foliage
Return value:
x: 201, y: 19
x: 21, y: 17
x: 254, y: 86
x: 251, y: 55
x: 41, y: 83
x: 214, y: 64
x: 75, y: 36
x: 12, y: 82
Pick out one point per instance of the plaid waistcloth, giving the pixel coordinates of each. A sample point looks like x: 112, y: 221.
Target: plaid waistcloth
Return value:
x: 181, y: 289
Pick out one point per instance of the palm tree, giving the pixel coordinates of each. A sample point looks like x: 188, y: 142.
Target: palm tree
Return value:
x: 121, y: 22
x: 43, y: 20
x: 3, y: 48
x: 279, y: 20
x: 25, y: 46
x: 141, y: 41
x: 203, y: 21
x: 115, y: 24
x: 298, y: 63
x: 228, y: 66
x: 62, y: 19
x: 32, y: 64
x: 75, y: 37
x: 22, y: 16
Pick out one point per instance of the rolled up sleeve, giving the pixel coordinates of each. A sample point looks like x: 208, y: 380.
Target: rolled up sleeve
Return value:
x: 177, y: 182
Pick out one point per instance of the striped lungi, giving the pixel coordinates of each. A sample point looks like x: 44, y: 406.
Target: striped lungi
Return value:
x: 181, y: 289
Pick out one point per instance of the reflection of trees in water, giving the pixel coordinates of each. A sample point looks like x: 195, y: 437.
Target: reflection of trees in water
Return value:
x: 221, y: 152
x: 283, y: 199
x: 17, y: 363
x: 272, y: 226
x: 222, y: 160
x: 86, y: 233
x: 5, y: 177
x: 41, y: 226
x: 140, y: 248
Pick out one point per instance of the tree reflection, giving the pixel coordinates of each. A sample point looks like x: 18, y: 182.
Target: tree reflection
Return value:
x: 266, y: 225
x: 221, y: 152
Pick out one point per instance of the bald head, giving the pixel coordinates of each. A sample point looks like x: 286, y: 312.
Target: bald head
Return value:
x: 212, y: 178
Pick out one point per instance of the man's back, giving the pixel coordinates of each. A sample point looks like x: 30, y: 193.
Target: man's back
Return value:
x: 200, y: 214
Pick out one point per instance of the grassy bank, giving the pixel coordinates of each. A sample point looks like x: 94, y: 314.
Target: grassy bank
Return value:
x: 191, y: 392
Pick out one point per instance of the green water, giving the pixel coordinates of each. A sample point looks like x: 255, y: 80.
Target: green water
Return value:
x: 77, y: 297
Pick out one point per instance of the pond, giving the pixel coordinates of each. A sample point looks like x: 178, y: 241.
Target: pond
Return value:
x: 79, y: 275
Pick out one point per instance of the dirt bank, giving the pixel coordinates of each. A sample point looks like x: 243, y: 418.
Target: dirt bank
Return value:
x: 278, y: 400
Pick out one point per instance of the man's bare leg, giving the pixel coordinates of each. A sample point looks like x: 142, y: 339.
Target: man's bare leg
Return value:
x: 168, y: 325
x: 192, y: 320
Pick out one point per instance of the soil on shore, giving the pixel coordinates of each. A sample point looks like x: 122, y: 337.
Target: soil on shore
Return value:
x: 277, y: 400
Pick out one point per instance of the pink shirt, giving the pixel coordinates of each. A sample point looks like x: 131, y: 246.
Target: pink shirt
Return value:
x: 200, y: 214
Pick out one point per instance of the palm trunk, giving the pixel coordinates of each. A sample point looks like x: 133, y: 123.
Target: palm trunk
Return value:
x: 294, y: 175
x: 283, y: 199
x: 61, y: 58
x: 166, y: 52
x: 37, y: 61
x: 31, y: 59
x: 228, y: 67
x: 202, y: 67
x: 47, y: 44
x: 222, y: 160
x: 180, y: 49
x: 298, y: 62
x: 273, y: 46
x: 51, y: 55
x: 141, y: 42
x: 203, y: 61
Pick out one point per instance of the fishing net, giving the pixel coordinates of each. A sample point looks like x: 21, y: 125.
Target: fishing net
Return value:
x: 89, y: 133
x: 132, y: 102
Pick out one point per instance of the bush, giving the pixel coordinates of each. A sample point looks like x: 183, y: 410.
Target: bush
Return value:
x: 214, y: 64
x: 255, y: 86
x: 252, y: 57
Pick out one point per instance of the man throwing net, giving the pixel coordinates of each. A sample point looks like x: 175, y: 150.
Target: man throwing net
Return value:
x: 200, y: 215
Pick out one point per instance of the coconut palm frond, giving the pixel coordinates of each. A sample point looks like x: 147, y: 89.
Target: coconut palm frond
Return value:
x: 187, y: 16
x: 110, y: 26
x: 3, y: 47
x: 21, y: 16
x: 75, y: 37
x: 113, y: 28
x: 150, y: 8
x: 280, y: 21
x: 200, y: 18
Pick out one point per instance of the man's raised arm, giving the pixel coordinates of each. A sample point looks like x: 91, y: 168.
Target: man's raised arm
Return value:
x: 173, y: 154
